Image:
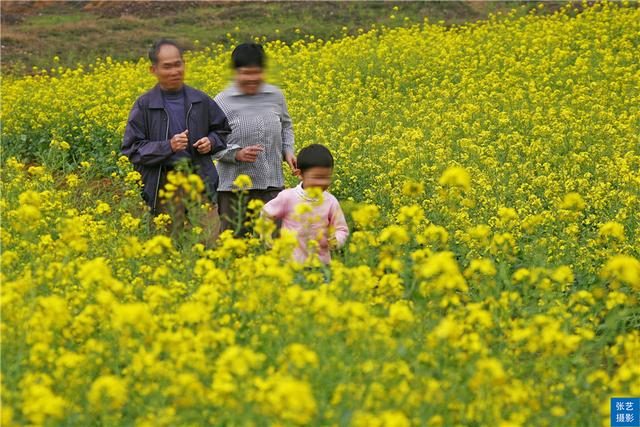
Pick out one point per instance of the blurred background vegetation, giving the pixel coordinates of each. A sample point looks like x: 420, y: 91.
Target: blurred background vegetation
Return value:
x: 33, y: 32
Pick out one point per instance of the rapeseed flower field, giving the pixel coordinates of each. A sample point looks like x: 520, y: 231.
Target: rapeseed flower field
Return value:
x: 490, y: 176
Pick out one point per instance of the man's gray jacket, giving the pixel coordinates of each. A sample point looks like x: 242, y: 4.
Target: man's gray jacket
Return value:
x: 147, y: 141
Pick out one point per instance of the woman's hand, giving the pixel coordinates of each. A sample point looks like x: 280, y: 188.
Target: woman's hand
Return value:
x: 249, y: 154
x: 290, y: 158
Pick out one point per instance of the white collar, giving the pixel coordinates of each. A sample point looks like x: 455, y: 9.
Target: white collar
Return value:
x: 303, y: 194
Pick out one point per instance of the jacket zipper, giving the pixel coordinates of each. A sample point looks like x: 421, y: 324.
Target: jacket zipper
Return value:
x: 155, y: 199
x: 187, y: 122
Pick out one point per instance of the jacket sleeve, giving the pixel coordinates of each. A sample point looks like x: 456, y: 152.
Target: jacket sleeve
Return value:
x: 136, y: 145
x: 219, y: 128
x: 339, y: 224
x: 276, y: 208
x: 287, y: 130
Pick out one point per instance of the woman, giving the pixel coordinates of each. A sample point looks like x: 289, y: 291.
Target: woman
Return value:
x: 261, y: 136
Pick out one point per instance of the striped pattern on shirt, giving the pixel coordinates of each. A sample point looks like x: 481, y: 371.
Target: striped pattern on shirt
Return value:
x: 262, y: 118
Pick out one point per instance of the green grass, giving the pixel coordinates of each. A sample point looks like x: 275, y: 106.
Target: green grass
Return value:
x: 77, y: 35
x: 51, y: 20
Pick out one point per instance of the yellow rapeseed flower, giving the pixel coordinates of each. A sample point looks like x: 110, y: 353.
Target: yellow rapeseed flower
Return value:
x: 107, y: 393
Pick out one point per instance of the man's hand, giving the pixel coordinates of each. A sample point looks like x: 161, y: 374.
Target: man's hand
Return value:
x: 291, y: 160
x: 249, y: 154
x: 180, y: 141
x: 203, y: 145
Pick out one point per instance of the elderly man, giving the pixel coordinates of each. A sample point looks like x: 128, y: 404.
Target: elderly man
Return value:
x: 174, y: 123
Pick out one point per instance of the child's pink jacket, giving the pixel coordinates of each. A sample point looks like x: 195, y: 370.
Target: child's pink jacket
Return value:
x: 319, y: 221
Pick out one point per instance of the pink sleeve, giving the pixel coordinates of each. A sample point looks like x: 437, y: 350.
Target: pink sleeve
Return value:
x: 338, y: 222
x: 276, y: 208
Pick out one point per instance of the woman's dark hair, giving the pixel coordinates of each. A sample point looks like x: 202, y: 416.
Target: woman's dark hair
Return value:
x: 248, y: 55
x: 155, y: 48
x: 314, y: 155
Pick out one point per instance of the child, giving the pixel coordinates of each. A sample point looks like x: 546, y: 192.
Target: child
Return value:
x: 308, y: 209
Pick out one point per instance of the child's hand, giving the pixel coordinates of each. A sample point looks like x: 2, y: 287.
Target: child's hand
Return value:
x: 333, y: 242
